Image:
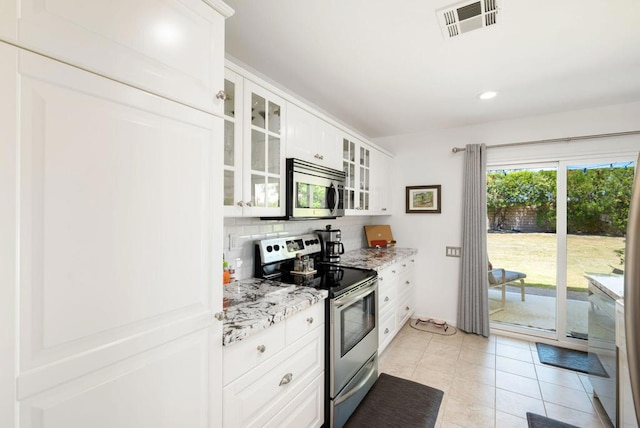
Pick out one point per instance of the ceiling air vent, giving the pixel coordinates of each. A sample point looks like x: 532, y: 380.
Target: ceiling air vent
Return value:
x: 467, y: 16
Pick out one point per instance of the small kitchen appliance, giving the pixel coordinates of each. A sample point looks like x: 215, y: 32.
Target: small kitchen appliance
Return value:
x: 331, y: 244
x: 351, y: 314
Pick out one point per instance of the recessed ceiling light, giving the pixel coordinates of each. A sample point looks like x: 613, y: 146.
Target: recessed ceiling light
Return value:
x: 487, y: 95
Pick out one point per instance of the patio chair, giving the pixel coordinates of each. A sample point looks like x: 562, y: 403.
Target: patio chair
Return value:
x: 501, y: 278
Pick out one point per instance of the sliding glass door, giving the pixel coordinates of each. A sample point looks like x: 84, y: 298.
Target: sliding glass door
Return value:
x: 522, y: 247
x: 549, y: 225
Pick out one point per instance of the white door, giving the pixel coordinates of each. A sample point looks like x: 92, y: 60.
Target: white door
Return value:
x: 117, y: 276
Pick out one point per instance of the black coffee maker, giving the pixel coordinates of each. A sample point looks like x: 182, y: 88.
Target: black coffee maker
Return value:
x: 331, y: 242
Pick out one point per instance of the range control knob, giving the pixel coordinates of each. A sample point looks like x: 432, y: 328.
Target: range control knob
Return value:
x: 276, y: 247
x: 269, y: 248
x: 316, y: 241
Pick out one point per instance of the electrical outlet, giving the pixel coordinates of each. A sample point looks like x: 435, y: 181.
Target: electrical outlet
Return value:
x: 453, y: 251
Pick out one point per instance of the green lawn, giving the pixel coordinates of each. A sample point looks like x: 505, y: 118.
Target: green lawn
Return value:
x: 535, y: 255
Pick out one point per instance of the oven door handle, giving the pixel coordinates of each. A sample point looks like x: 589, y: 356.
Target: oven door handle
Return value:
x: 358, y: 387
x: 339, y: 303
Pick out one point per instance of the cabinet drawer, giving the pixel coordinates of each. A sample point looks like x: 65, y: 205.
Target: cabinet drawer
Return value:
x: 405, y: 282
x: 387, y: 276
x: 386, y: 329
x: 405, y: 309
x: 304, y: 321
x: 387, y: 298
x: 243, y: 356
x: 305, y: 410
x: 261, y: 393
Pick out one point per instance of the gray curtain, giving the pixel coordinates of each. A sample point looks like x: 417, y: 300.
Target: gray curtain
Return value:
x: 473, y: 299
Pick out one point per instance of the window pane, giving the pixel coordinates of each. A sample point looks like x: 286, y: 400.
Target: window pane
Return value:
x: 258, y: 190
x: 229, y: 143
x: 258, y: 111
x: 229, y: 185
x: 229, y: 90
x: 273, y: 192
x: 274, y: 117
x: 258, y: 151
x: 274, y: 155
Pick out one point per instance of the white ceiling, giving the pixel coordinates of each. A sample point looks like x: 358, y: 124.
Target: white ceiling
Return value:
x: 384, y: 68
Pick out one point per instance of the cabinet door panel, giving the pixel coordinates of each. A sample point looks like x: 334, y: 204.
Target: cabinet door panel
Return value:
x: 174, y: 48
x: 115, y: 227
x: 163, y: 388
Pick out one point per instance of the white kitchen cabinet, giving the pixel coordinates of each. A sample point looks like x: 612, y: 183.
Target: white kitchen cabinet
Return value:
x: 381, y: 183
x: 356, y: 163
x: 396, y: 292
x: 254, y: 157
x: 312, y: 139
x: 284, y: 388
x: 626, y: 409
x: 174, y: 48
x: 113, y: 187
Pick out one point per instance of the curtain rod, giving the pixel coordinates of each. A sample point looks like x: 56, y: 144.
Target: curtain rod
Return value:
x: 556, y: 140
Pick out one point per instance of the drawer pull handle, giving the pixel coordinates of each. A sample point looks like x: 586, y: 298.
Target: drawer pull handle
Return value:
x: 286, y: 379
x: 386, y: 330
x: 310, y: 320
x: 386, y: 299
x: 261, y: 348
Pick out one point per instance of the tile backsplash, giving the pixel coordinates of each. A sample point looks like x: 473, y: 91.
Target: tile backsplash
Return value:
x: 240, y: 234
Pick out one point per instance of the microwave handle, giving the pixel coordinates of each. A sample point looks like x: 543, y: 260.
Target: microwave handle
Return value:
x: 336, y: 197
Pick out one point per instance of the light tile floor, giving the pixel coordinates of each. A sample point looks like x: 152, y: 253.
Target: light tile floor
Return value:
x: 490, y: 382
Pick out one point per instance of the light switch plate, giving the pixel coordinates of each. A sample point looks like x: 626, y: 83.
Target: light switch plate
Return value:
x: 454, y: 251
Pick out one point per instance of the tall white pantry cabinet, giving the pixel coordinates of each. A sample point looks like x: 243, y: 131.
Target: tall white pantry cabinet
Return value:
x: 110, y: 213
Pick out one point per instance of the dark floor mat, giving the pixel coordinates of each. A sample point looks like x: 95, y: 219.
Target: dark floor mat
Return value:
x: 396, y: 402
x: 538, y: 421
x: 570, y: 359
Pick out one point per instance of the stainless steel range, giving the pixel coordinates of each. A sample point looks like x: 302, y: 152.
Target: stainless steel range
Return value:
x: 351, y: 313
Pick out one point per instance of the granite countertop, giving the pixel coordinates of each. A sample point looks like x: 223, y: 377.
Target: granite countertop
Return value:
x: 375, y: 258
x: 254, y: 304
x: 611, y: 284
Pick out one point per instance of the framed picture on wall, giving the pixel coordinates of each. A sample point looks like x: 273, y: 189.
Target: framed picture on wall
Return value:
x: 424, y: 199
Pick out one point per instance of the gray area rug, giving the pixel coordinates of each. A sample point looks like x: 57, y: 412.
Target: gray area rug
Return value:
x: 570, y: 359
x: 396, y: 402
x: 538, y: 421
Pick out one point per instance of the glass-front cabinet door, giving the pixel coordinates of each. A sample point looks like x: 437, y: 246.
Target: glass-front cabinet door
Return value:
x: 254, y: 160
x: 264, y: 163
x: 233, y: 198
x: 356, y: 163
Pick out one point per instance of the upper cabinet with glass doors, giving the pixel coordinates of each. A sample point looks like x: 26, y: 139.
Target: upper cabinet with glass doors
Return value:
x: 356, y: 163
x: 254, y: 160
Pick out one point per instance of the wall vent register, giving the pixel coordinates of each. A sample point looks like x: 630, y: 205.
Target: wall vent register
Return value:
x: 467, y: 16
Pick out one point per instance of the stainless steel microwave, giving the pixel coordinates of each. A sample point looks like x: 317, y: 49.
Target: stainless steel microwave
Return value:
x: 313, y: 191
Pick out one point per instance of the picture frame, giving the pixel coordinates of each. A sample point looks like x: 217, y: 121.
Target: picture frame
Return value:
x: 424, y: 199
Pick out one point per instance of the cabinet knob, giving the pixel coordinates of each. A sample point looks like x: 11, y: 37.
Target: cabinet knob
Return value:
x: 404, y: 265
x: 286, y: 379
x: 393, y: 271
x: 384, y: 209
x: 240, y: 203
x: 310, y: 320
x: 249, y: 204
x: 407, y: 282
x: 261, y: 348
x: 380, y: 279
x: 221, y: 95
x: 386, y: 330
x: 219, y: 316
x: 407, y: 308
x: 386, y: 299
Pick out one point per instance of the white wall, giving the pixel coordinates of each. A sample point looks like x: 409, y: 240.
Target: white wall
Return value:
x: 426, y: 158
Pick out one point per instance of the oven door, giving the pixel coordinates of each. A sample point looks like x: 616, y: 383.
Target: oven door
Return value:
x: 354, y: 333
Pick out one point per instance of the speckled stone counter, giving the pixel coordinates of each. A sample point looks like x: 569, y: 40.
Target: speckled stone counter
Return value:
x: 254, y: 304
x: 610, y: 284
x: 375, y: 258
